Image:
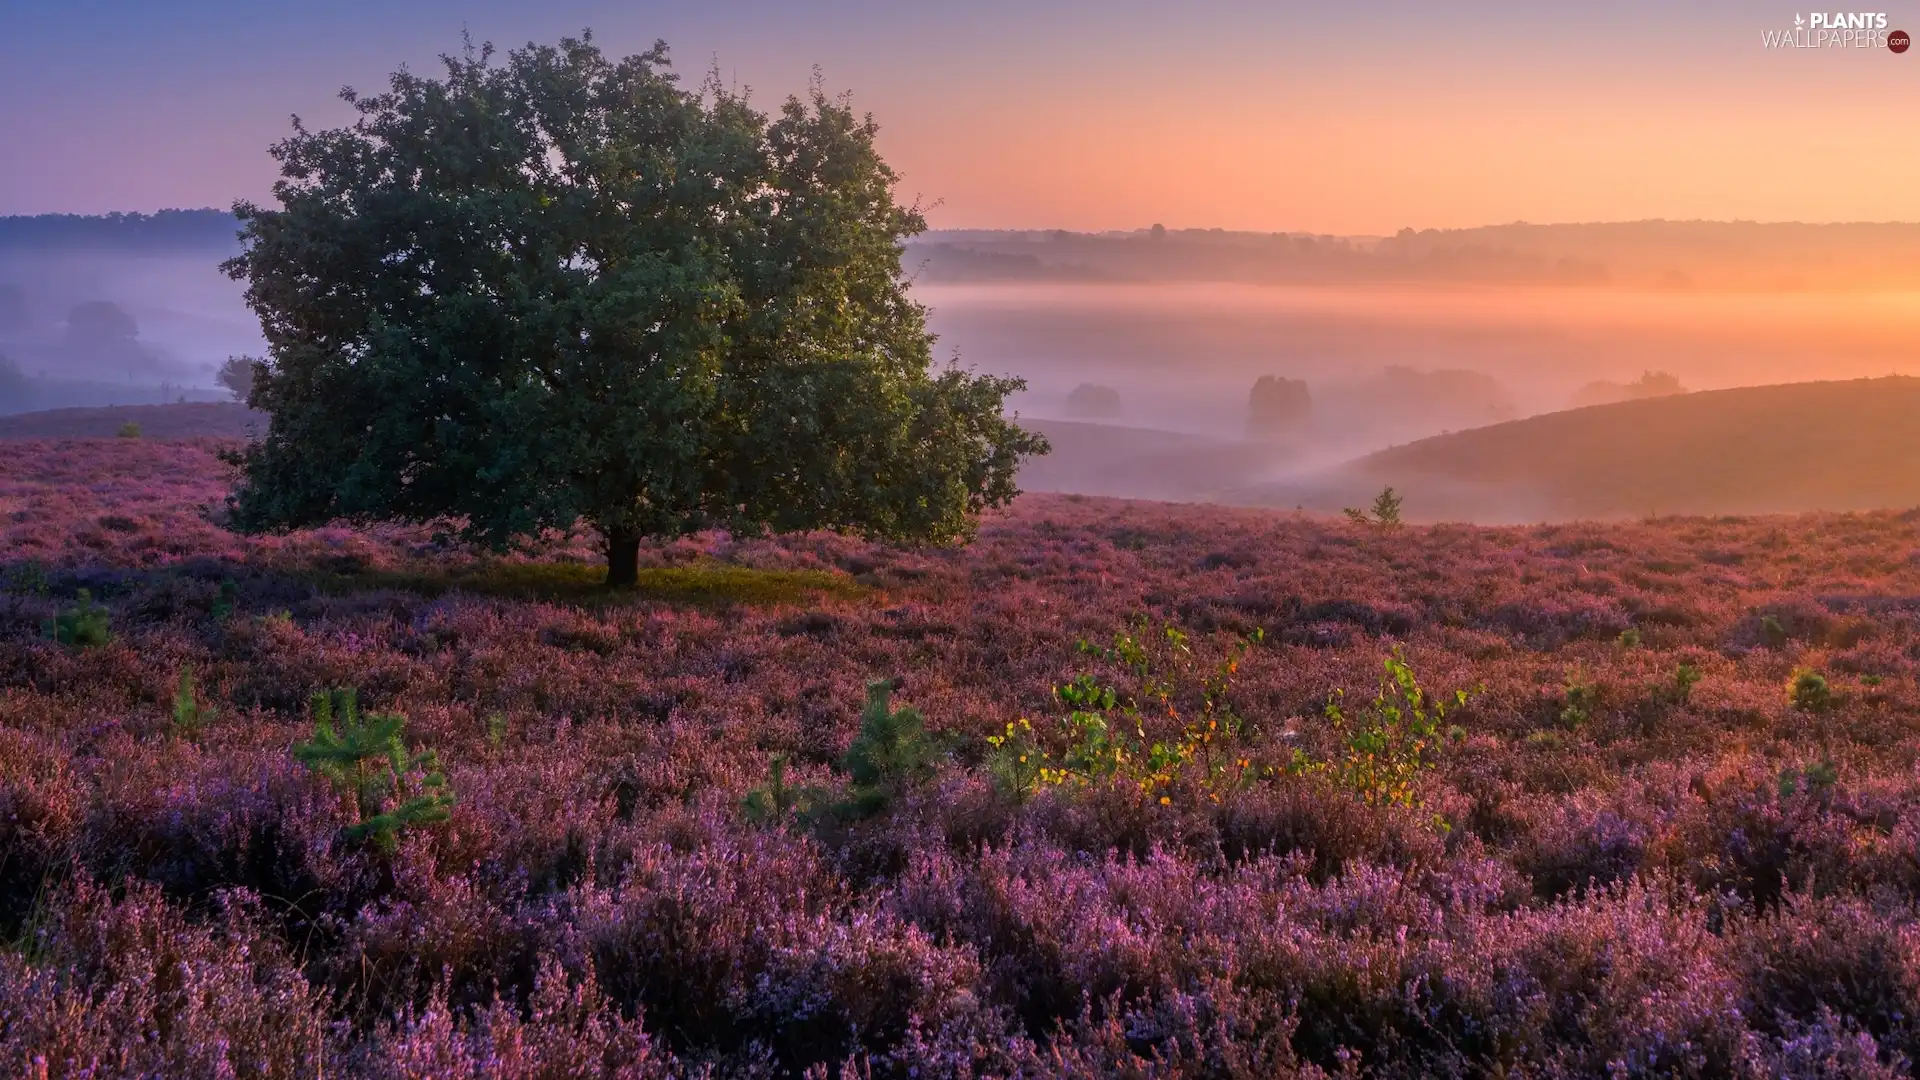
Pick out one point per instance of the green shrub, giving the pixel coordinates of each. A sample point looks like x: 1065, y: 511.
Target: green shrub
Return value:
x: 1630, y: 638
x: 1175, y: 724
x: 1390, y: 745
x: 891, y: 754
x: 84, y: 625
x: 1773, y: 631
x: 190, y: 718
x: 777, y: 800
x: 129, y: 430
x: 1809, y: 691
x: 1016, y: 763
x: 367, y: 762
x: 229, y: 596
x: 1816, y: 779
x: 1582, y: 698
x: 1384, y: 514
x: 1685, y: 677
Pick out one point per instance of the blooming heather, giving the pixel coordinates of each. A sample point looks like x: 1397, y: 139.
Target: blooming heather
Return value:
x: 1707, y: 883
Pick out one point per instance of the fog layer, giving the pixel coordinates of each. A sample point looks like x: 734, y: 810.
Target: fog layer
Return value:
x: 1142, y: 351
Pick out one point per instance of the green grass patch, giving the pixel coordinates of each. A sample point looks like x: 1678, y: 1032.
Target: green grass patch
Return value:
x: 707, y: 583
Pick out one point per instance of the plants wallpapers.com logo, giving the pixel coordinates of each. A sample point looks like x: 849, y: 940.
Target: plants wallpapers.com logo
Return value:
x: 1838, y: 30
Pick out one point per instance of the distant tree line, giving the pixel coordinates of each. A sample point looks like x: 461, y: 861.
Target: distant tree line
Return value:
x: 1650, y: 384
x: 1661, y: 254
x: 167, y: 230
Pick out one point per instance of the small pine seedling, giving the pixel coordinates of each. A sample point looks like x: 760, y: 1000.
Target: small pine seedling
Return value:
x: 1384, y: 514
x: 1809, y: 691
x: 366, y: 761
x: 891, y: 754
x: 129, y: 430
x: 776, y: 799
x: 224, y: 605
x: 190, y: 718
x: 1630, y: 638
x: 1386, y: 509
x: 1816, y: 779
x: 1582, y: 698
x: 1685, y: 677
x: 83, y: 626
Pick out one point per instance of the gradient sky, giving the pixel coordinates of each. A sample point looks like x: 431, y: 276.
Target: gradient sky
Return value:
x: 1332, y: 117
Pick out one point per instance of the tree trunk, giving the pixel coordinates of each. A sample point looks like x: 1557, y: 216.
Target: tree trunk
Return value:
x: 623, y: 559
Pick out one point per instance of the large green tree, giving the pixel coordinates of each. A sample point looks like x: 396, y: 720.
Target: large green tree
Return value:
x: 558, y: 288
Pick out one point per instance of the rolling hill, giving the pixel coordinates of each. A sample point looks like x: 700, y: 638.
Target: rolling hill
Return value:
x: 1850, y: 445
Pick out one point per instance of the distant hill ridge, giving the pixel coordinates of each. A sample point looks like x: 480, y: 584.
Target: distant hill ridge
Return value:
x: 1654, y: 253
x: 1849, y: 445
x: 1666, y: 255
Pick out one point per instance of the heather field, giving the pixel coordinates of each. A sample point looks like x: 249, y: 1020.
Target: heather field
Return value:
x: 1674, y: 830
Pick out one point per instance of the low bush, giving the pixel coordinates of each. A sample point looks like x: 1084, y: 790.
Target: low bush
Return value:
x: 387, y: 787
x: 85, y: 625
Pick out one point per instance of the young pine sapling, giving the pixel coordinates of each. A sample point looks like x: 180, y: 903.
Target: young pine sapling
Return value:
x: 368, y: 764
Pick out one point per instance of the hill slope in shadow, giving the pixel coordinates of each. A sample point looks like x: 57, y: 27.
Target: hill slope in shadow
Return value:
x: 1852, y: 445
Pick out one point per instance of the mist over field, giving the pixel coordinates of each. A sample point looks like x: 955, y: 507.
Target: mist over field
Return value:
x: 178, y: 315
x: 1140, y: 349
x: 1181, y: 325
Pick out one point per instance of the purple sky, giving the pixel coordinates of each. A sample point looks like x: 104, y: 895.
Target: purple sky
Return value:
x: 1327, y: 117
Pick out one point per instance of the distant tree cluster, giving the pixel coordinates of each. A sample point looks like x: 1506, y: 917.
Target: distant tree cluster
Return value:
x: 101, y: 333
x: 101, y: 324
x: 1276, y: 406
x: 566, y: 289
x: 953, y: 262
x: 1650, y: 384
x: 237, y: 376
x: 1471, y: 397
x: 1091, y: 401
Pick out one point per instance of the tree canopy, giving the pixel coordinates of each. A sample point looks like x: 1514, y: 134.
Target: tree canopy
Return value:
x: 562, y: 288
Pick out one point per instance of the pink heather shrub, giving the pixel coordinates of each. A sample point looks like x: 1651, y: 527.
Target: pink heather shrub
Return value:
x: 128, y: 987
x: 1612, y: 870
x: 567, y: 1029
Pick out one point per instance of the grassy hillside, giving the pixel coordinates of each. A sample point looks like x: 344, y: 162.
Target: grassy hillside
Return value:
x: 1650, y: 837
x: 1851, y: 445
